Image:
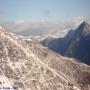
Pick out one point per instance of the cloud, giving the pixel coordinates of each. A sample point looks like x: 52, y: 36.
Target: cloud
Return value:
x: 36, y: 28
x: 46, y: 15
x: 79, y: 18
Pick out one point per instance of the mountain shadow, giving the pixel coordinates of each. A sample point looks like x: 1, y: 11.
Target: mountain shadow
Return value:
x: 75, y: 44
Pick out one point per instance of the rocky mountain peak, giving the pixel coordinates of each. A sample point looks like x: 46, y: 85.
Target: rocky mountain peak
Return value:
x: 75, y: 44
x: 84, y: 28
x: 84, y: 23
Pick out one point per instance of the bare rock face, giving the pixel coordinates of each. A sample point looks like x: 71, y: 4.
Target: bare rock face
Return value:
x: 27, y: 65
x: 75, y: 44
x: 79, y: 44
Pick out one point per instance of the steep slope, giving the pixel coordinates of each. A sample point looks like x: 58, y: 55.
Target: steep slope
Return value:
x: 79, y: 44
x: 27, y: 65
x: 75, y: 44
x: 55, y: 44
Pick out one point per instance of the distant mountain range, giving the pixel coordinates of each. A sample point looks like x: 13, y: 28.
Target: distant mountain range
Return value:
x: 75, y: 44
x: 27, y: 65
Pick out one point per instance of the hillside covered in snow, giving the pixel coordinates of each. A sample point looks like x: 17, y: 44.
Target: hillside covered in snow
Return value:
x: 27, y: 65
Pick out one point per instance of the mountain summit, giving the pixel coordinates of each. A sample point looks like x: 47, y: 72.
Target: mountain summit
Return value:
x: 79, y: 44
x: 75, y: 44
x: 27, y: 65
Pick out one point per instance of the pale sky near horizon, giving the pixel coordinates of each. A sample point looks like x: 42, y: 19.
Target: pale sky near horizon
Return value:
x: 36, y: 10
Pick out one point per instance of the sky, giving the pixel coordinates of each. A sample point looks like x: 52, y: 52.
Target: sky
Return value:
x: 40, y: 10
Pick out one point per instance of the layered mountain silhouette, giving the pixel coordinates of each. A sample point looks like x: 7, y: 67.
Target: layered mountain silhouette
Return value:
x: 75, y: 44
x: 27, y: 65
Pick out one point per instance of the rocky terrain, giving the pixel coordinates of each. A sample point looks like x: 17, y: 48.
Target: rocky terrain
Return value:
x: 27, y: 65
x: 75, y: 44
